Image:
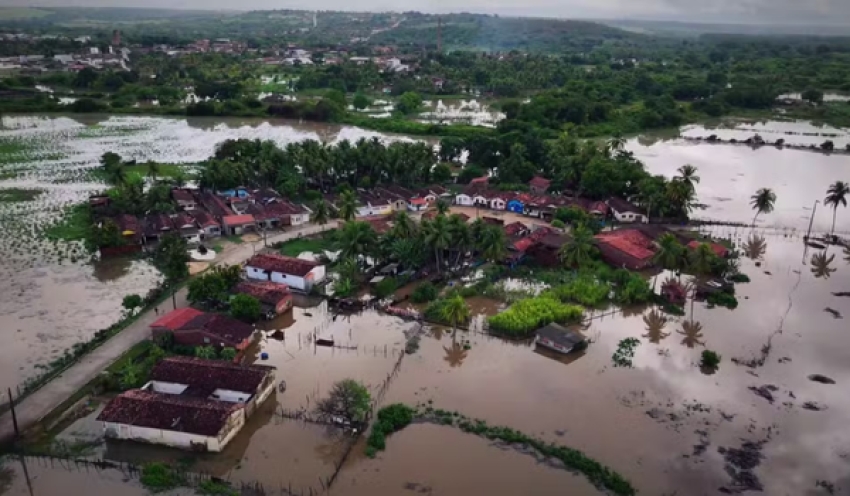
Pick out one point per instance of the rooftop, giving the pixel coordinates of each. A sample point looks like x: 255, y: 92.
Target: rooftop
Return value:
x: 539, y: 182
x: 629, y: 241
x: 182, y: 195
x: 176, y: 319
x: 203, y: 218
x: 198, y: 373
x: 169, y: 412
x: 228, y: 329
x: 560, y: 335
x: 621, y: 205
x: 279, y: 263
x: 238, y: 220
x: 270, y: 293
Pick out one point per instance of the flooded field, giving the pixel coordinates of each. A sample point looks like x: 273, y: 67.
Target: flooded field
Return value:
x: 793, y: 132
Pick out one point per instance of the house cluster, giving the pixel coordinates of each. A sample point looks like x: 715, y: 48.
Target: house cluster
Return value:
x: 539, y: 204
x: 189, y: 403
x: 90, y: 57
x: 385, y: 200
x: 203, y: 214
x: 634, y: 248
x: 296, y: 273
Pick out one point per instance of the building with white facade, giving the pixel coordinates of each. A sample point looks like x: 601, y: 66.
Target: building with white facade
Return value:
x: 297, y: 273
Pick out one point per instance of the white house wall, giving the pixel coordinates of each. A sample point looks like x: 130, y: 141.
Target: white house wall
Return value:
x: 231, y: 396
x: 177, y: 439
x: 165, y: 387
x: 463, y: 200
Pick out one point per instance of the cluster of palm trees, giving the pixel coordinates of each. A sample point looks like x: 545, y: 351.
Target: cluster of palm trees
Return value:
x: 443, y: 241
x: 672, y: 255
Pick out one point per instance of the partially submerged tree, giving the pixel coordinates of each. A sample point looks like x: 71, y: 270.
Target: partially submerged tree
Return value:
x: 836, y: 196
x: 131, y: 302
x: 347, y: 402
x: 763, y: 202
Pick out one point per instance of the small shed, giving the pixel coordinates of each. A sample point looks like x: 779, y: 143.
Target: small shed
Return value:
x: 558, y: 338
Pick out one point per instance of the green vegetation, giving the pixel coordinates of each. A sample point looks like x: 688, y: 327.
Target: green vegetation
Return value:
x: 528, y: 315
x: 131, y: 302
x: 723, y: 299
x: 245, y: 308
x: 625, y: 352
x: 386, y: 287
x: 295, y: 247
x: 739, y: 278
x: 599, y: 475
x: 216, y: 487
x: 710, y: 360
x: 18, y: 195
x: 391, y: 419
x: 159, y: 477
x: 211, y: 289
x: 348, y: 400
x: 424, y: 293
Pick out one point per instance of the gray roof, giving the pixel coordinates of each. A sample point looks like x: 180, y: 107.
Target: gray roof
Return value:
x: 560, y: 335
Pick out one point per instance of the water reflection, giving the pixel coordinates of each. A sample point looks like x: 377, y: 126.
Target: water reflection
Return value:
x: 692, y: 332
x: 655, y: 323
x: 437, y: 332
x: 847, y: 254
x: 456, y: 354
x: 112, y: 269
x: 821, y: 265
x: 755, y: 247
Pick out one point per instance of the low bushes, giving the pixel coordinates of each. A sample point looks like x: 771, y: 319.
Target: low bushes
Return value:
x: 625, y: 352
x: 391, y: 418
x: 424, y: 293
x: 723, y: 300
x: 525, y: 316
x: 738, y: 278
x: 710, y: 360
x: 584, y: 290
x: 158, y: 477
x: 386, y: 287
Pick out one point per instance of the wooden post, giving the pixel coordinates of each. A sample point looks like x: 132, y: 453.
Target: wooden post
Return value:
x: 14, y: 415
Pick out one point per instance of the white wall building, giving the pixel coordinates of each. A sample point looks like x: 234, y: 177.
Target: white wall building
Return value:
x: 298, y: 274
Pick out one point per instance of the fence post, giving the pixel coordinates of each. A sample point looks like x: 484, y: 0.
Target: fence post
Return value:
x: 14, y: 415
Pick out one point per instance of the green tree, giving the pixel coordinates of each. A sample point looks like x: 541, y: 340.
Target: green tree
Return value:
x: 347, y: 205
x: 206, y: 352
x: 762, y: 202
x: 409, y: 103
x: 361, y: 101
x: 702, y: 259
x: 320, y: 213
x: 669, y: 252
x: 131, y: 376
x: 836, y: 196
x: 688, y: 175
x: 579, y: 250
x: 131, y: 302
x: 812, y: 95
x: 348, y: 400
x: 336, y: 96
x: 442, y: 207
x: 492, y: 242
x: 442, y: 173
x: 228, y: 354
x: 171, y: 257
x: 455, y: 311
x: 245, y: 308
x: 403, y: 226
x: 460, y: 235
x: 153, y: 170
x: 438, y: 238
x: 357, y: 240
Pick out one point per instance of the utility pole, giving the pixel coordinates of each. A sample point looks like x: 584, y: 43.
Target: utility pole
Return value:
x: 14, y: 415
x: 811, y: 220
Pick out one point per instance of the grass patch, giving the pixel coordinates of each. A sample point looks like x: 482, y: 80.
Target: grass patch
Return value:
x: 212, y: 487
x: 18, y: 195
x: 158, y: 477
x: 165, y: 170
x: 295, y: 247
x: 217, y: 248
x: 73, y: 226
x: 391, y: 419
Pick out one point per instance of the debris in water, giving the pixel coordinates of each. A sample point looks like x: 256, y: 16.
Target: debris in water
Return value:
x: 814, y: 406
x: 845, y: 294
x: 835, y: 313
x: 821, y: 379
x: 740, y: 463
x: 765, y: 391
x: 784, y: 360
x: 827, y: 486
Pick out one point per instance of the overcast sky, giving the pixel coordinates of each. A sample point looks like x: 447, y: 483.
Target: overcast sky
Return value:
x: 766, y: 11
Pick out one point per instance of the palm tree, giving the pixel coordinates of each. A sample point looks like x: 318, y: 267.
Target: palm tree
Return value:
x: 438, y: 237
x: 669, y: 252
x: 693, y: 334
x: 837, y: 195
x: 442, y: 206
x: 153, y: 170
x: 347, y: 205
x: 821, y: 265
x: 616, y: 143
x: 492, y: 243
x: 755, y: 247
x: 688, y: 175
x: 408, y: 252
x: 455, y: 311
x: 403, y: 226
x: 579, y: 250
x: 702, y: 258
x: 356, y: 239
x: 655, y: 322
x: 179, y: 178
x: 681, y: 196
x: 461, y: 237
x: 320, y: 213
x: 763, y: 202
x: 456, y: 354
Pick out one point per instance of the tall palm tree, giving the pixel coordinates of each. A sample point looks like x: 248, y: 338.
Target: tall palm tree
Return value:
x: 438, y: 238
x: 655, y: 323
x: 357, y: 239
x: 442, y: 207
x: 492, y: 243
x: 681, y: 196
x: 153, y: 170
x: 320, y: 213
x: 347, y: 205
x: 179, y: 178
x: 408, y: 252
x: 116, y: 175
x: 669, y: 252
x: 821, y: 265
x: 836, y: 195
x: 702, y: 258
x: 688, y: 175
x: 579, y: 250
x: 616, y: 143
x: 455, y: 311
x: 763, y: 202
x: 403, y: 226
x: 461, y: 237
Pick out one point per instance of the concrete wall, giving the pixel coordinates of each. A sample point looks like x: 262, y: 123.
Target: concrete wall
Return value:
x: 231, y: 396
x: 165, y: 387
x: 177, y: 439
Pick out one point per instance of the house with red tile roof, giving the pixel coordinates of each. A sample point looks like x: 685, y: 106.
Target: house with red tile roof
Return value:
x: 718, y: 249
x: 296, y: 273
x: 184, y: 198
x: 274, y: 298
x: 516, y: 230
x: 626, y: 248
x: 208, y: 225
x: 625, y: 211
x: 190, y: 327
x: 539, y: 185
x: 238, y: 224
x: 189, y: 403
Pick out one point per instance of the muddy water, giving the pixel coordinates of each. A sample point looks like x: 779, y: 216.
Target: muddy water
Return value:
x: 730, y: 175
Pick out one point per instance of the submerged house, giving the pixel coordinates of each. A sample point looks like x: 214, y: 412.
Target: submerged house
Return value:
x: 274, y: 298
x: 294, y: 272
x: 559, y: 338
x: 191, y: 327
x: 626, y: 248
x: 189, y: 403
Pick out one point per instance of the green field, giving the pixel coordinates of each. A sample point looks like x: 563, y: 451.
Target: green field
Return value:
x: 165, y: 170
x: 7, y: 13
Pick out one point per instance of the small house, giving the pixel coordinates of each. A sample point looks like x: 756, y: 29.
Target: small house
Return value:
x: 206, y: 222
x: 297, y: 273
x: 626, y: 248
x: 463, y: 200
x: 238, y: 224
x: 417, y: 204
x: 190, y: 327
x: 559, y: 338
x: 624, y: 211
x: 274, y: 298
x: 184, y: 198
x: 497, y: 203
x: 539, y: 185
x: 185, y: 225
x: 481, y: 200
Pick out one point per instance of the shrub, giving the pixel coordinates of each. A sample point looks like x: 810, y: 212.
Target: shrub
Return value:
x: 228, y: 354
x: 584, y: 290
x: 158, y: 477
x: 527, y: 315
x: 723, y: 299
x: 391, y: 419
x: 245, y: 307
x: 738, y: 278
x: 424, y: 293
x: 212, y: 487
x: 710, y: 360
x: 625, y: 352
x: 558, y: 224
x: 386, y: 287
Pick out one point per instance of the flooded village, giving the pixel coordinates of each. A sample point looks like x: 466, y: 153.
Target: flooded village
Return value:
x: 636, y: 397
